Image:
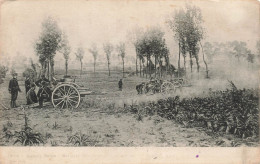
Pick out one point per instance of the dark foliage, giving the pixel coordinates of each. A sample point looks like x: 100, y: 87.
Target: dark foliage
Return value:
x: 233, y: 111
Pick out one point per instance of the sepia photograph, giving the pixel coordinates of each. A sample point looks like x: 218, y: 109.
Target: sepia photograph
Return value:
x: 129, y: 74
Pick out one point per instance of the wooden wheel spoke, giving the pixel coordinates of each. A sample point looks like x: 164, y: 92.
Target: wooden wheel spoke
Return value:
x: 71, y: 93
x: 61, y: 91
x: 60, y: 102
x: 73, y: 101
x: 69, y: 90
x: 70, y: 103
x: 66, y: 103
x: 58, y: 99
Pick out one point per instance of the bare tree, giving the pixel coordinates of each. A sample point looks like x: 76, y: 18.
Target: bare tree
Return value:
x: 108, y: 48
x: 121, y: 53
x: 177, y: 24
x: 135, y: 36
x: 65, y: 50
x: 79, y: 55
x: 207, y: 70
x: 187, y: 26
x: 94, y: 52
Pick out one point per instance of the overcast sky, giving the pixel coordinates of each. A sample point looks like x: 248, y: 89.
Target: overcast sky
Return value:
x: 87, y: 22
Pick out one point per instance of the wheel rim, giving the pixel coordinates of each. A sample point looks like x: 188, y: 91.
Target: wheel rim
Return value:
x: 65, y: 96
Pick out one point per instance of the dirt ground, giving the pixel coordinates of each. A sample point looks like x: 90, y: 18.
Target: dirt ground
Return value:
x: 103, y: 122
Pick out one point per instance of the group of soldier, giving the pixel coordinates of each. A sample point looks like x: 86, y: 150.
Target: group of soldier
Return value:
x: 154, y: 85
x: 30, y: 86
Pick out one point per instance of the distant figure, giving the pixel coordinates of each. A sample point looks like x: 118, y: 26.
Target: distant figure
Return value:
x: 120, y: 84
x: 31, y: 95
x: 27, y: 84
x: 13, y: 90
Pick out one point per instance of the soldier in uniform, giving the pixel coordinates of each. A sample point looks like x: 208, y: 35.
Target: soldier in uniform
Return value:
x: 44, y: 91
x: 120, y: 84
x: 27, y: 84
x: 13, y: 90
x: 38, y: 82
x: 31, y: 95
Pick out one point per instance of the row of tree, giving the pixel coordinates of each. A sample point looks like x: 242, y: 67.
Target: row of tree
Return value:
x: 52, y: 40
x: 188, y: 32
x: 152, y: 53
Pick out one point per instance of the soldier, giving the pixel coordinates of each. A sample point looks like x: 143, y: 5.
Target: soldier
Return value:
x: 27, y: 84
x: 38, y: 82
x: 13, y: 90
x: 139, y: 88
x: 31, y: 95
x: 120, y: 84
x: 43, y: 93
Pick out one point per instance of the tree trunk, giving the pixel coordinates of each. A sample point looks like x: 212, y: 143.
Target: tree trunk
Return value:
x: 179, y: 64
x: 44, y: 65
x: 207, y: 70
x: 146, y: 70
x: 136, y: 69
x: 48, y: 73
x: 95, y: 68
x: 184, y: 60
x: 143, y: 68
x: 160, y: 65
x: 191, y: 63
x: 124, y: 68
x: 155, y: 62
x: 108, y: 64
x: 150, y: 70
x: 66, y: 67
x: 166, y: 71
x: 140, y: 65
x: 52, y: 68
x: 197, y: 62
x: 80, y: 68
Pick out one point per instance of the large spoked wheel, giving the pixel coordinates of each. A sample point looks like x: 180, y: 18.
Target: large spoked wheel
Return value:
x: 167, y: 87
x: 65, y: 96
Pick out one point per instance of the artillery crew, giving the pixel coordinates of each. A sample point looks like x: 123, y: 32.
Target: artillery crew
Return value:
x: 13, y: 90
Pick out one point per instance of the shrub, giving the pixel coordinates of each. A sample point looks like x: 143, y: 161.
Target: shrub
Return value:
x: 26, y: 136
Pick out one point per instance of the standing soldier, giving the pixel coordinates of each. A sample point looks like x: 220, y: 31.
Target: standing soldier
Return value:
x: 120, y: 84
x: 13, y: 90
x: 27, y: 84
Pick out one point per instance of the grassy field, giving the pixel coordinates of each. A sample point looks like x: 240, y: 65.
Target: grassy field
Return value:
x: 105, y: 119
